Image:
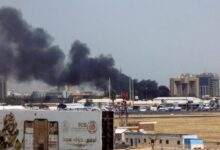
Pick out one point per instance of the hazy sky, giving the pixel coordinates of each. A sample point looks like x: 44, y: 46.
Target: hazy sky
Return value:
x: 149, y: 39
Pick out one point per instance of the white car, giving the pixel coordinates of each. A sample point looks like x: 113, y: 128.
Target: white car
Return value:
x: 176, y: 108
x: 142, y: 109
x: 206, y: 108
x: 163, y: 109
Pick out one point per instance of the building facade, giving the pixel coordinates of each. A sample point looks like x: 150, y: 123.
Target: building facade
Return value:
x: 202, y: 85
x: 208, y: 85
x: 184, y: 86
x: 142, y: 135
x: 158, y: 141
x: 3, y: 87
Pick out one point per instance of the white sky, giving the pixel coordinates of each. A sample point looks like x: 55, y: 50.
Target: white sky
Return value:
x: 149, y: 39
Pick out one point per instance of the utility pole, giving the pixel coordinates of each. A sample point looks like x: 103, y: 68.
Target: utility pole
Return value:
x: 109, y: 88
x: 130, y: 89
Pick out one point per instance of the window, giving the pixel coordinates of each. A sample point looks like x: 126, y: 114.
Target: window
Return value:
x: 167, y: 141
x: 145, y: 141
x: 127, y: 140
x: 178, y: 142
x: 139, y: 141
x: 135, y: 142
x: 131, y: 142
x: 152, y: 141
x: 160, y: 141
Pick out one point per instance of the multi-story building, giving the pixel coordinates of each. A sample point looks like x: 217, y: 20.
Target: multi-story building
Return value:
x: 206, y: 84
x: 184, y: 86
x: 3, y: 87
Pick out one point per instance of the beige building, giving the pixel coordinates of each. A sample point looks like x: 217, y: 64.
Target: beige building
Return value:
x: 184, y: 86
x: 154, y: 140
x: 158, y: 141
x: 142, y: 135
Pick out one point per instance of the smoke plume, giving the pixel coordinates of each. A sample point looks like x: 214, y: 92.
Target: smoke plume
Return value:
x: 27, y: 53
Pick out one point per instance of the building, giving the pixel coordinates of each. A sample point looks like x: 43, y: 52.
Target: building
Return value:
x: 183, y: 102
x: 202, y: 85
x: 193, y: 143
x: 120, y: 135
x: 158, y: 141
x: 3, y: 87
x: 184, y: 86
x: 208, y: 85
x: 143, y: 135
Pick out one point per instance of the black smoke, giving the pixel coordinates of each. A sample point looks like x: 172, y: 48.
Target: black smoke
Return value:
x: 27, y: 53
x: 82, y: 68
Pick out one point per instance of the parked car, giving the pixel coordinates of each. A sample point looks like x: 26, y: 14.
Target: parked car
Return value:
x: 175, y: 108
x: 163, y: 108
x: 205, y: 108
x: 143, y: 109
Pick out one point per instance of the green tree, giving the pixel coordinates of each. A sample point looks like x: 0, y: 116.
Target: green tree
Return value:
x: 147, y: 89
x: 163, y: 91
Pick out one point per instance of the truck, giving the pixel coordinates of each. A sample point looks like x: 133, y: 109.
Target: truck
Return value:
x: 27, y: 129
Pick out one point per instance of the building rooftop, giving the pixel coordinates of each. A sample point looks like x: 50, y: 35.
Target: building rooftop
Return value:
x: 120, y: 131
x: 161, y: 134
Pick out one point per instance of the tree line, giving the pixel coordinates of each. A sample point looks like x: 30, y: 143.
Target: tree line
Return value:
x: 144, y: 89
